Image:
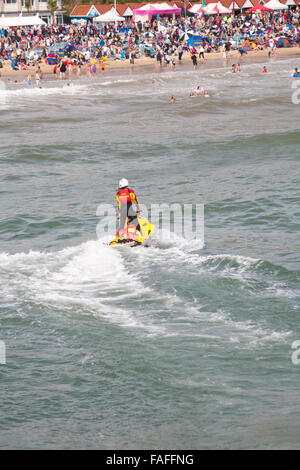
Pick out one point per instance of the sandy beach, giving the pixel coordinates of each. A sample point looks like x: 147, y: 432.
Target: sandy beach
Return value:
x: 211, y: 59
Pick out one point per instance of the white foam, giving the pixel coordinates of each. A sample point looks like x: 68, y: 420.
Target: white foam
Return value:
x: 108, y: 283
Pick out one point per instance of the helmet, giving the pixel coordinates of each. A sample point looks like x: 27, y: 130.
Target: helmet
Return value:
x: 123, y: 183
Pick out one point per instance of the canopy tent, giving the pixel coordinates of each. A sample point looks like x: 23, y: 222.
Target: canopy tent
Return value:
x: 215, y: 9
x: 108, y: 17
x: 21, y: 21
x: 200, y: 11
x: 195, y: 8
x: 259, y: 7
x: 210, y: 9
x: 276, y: 5
x: 145, y: 12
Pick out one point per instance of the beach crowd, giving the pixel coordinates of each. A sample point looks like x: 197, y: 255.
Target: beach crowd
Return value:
x: 69, y: 47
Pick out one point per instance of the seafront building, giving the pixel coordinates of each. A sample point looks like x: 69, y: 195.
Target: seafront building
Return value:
x: 87, y: 12
x: 12, y: 8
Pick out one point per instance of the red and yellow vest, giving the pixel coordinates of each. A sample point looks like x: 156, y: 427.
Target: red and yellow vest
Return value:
x: 126, y: 196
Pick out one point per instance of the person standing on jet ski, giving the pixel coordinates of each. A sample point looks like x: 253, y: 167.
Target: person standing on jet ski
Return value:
x: 126, y: 198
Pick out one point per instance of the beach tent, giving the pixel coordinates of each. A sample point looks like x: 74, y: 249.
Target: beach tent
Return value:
x: 259, y: 7
x: 246, y: 46
x: 195, y: 8
x: 147, y: 11
x: 21, y: 21
x: 109, y: 17
x: 199, y: 12
x: 276, y: 5
x: 215, y: 9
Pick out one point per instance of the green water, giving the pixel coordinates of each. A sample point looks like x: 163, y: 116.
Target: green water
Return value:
x: 171, y: 346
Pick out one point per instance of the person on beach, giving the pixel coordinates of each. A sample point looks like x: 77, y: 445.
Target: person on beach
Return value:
x: 62, y: 70
x: 159, y: 58
x: 241, y: 52
x: 29, y: 79
x: 180, y: 52
x: 102, y: 66
x: 201, y: 52
x: 89, y: 70
x: 131, y: 57
x: 38, y: 78
x: 167, y: 60
x: 194, y: 60
x: 233, y: 68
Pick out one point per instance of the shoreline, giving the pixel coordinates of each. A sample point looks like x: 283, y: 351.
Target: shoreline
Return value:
x: 212, y: 60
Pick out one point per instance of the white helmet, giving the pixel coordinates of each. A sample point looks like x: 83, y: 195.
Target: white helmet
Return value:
x: 123, y: 183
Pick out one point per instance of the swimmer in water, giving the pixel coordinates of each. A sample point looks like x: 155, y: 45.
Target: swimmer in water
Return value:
x: 233, y: 68
x: 206, y: 94
x: 173, y: 99
x: 29, y: 79
x: 199, y: 90
x: 264, y: 70
x: 192, y: 94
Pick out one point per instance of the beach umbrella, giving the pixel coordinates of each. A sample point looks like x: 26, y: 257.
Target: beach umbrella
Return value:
x: 185, y: 37
x: 149, y: 35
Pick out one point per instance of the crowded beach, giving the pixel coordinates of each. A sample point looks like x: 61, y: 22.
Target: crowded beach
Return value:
x: 161, y: 35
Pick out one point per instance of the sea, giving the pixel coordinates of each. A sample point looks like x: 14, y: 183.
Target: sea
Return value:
x: 182, y: 344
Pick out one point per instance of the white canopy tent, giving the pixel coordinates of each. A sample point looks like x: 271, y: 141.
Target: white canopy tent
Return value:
x: 195, y: 8
x: 21, y: 21
x: 109, y: 17
x: 215, y: 9
x: 276, y: 5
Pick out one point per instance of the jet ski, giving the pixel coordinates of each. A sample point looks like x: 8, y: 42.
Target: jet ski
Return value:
x: 130, y: 236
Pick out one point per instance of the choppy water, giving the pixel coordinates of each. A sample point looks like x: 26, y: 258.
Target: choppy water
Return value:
x: 170, y: 346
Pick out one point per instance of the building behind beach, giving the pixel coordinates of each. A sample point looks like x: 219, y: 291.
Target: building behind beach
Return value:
x: 12, y: 8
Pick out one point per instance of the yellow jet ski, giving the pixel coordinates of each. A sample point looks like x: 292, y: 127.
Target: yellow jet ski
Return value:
x: 130, y: 236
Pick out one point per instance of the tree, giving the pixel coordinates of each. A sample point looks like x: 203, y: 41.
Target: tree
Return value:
x: 52, y: 6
